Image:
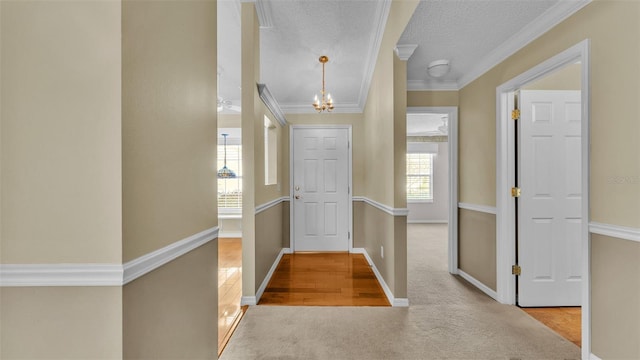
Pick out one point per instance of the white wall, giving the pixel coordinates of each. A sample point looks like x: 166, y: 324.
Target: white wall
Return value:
x: 438, y: 210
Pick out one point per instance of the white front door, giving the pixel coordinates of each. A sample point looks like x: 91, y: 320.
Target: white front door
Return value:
x: 549, y: 207
x: 320, y: 189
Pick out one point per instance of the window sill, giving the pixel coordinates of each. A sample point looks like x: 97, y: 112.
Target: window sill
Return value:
x: 228, y: 213
x: 419, y: 201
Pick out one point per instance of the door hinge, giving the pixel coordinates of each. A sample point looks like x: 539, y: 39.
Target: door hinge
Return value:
x: 349, y: 235
x: 348, y: 189
x: 516, y: 270
x: 515, y: 192
x: 515, y: 114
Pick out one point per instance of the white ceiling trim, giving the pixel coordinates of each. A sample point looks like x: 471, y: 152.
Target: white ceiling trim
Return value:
x: 543, y: 23
x: 404, y: 51
x: 381, y: 15
x: 423, y: 85
x: 265, y: 14
x: 308, y: 109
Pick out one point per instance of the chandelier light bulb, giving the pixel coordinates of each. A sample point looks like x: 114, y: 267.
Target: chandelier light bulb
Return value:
x: 326, y: 103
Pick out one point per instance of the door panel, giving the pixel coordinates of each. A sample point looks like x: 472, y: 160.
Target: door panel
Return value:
x: 320, y: 189
x: 549, y: 208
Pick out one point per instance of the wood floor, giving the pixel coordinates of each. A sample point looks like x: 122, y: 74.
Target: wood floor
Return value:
x: 566, y: 321
x: 325, y: 279
x: 229, y: 288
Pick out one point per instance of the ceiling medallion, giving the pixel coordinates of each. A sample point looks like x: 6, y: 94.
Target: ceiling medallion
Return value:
x: 327, y: 102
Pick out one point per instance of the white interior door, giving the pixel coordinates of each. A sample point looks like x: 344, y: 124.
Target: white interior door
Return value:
x: 549, y: 207
x: 320, y: 189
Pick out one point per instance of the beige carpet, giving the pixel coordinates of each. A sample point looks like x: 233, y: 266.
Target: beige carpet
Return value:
x: 447, y: 319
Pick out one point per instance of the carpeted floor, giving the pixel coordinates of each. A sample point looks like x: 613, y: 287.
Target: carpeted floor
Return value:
x: 447, y: 319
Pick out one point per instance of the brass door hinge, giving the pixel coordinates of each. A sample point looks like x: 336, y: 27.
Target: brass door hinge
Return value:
x: 515, y: 192
x: 515, y: 114
x: 516, y: 270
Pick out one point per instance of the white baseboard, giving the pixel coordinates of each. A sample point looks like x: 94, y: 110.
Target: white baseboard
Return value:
x: 230, y: 234
x: 593, y: 357
x: 267, y: 278
x: 427, y: 221
x: 395, y: 302
x: 248, y: 300
x: 475, y: 282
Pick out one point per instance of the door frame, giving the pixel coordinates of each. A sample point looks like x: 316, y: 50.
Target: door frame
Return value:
x: 505, y: 179
x: 292, y: 243
x: 452, y: 111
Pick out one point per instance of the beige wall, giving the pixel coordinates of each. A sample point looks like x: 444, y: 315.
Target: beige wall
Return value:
x: 171, y: 312
x: 229, y: 121
x: 615, y: 322
x: 477, y: 245
x: 262, y: 238
x: 432, y: 98
x: 359, y: 225
x: 378, y: 232
x: 384, y: 149
x: 286, y: 221
x: 613, y: 28
x: 269, y: 237
x: 60, y: 166
x: 567, y: 78
x: 61, y: 323
x: 60, y: 132
x: 168, y: 122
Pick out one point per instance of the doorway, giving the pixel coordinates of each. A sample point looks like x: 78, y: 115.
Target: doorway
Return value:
x: 451, y: 113
x: 514, y: 220
x: 321, y: 212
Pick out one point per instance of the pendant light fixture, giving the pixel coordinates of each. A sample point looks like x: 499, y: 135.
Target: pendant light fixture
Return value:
x: 327, y: 102
x: 225, y: 172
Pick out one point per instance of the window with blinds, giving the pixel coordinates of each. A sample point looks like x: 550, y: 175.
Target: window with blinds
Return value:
x: 230, y: 190
x: 419, y: 177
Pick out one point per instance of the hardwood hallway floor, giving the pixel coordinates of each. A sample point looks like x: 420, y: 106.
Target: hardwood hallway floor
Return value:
x: 328, y: 279
x: 229, y: 288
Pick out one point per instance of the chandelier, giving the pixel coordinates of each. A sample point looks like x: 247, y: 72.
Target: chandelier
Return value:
x: 327, y: 102
x: 225, y: 172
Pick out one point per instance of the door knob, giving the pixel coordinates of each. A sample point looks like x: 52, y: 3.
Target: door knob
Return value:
x: 297, y: 196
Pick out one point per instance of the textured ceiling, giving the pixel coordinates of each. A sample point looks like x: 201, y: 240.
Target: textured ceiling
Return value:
x: 463, y: 32
x: 229, y: 51
x: 297, y: 32
x: 303, y: 31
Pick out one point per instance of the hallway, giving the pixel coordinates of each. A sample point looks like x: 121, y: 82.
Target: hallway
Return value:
x: 447, y: 319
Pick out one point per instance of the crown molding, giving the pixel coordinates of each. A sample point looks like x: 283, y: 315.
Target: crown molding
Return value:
x: 265, y: 14
x: 543, y: 23
x: 425, y: 85
x: 308, y: 109
x: 381, y: 15
x: 272, y: 104
x: 404, y: 51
